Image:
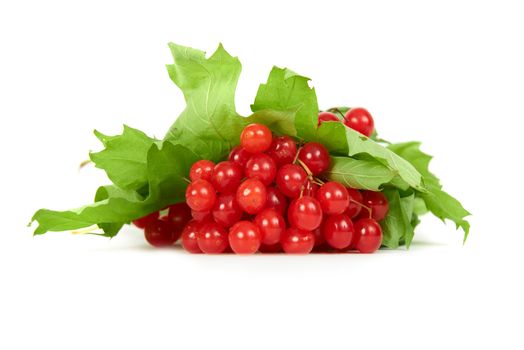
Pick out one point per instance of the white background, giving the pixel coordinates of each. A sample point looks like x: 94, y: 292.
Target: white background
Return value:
x: 448, y: 73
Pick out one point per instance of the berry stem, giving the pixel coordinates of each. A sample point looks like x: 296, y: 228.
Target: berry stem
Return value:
x: 363, y: 206
x: 308, y: 172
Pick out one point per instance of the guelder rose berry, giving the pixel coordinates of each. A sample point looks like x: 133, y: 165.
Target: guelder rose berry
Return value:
x: 200, y: 196
x: 359, y: 119
x: 315, y: 156
x: 256, y: 138
x: 251, y: 196
x: 296, y: 241
x: 368, y: 235
x: 305, y: 213
x: 244, y: 237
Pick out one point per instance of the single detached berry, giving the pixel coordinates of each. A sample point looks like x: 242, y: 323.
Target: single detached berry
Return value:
x: 226, y: 211
x: 338, y: 231
x: 355, y: 201
x: 333, y: 198
x: 283, y: 150
x: 251, y: 196
x: 212, y: 238
x: 240, y: 156
x: 271, y: 225
x: 202, y: 169
x: 359, y: 119
x: 200, y: 195
x: 276, y: 200
x: 327, y: 117
x: 244, y: 237
x: 296, y: 241
x: 145, y: 220
x: 256, y: 138
x: 368, y: 235
x: 305, y: 213
x: 189, y: 237
x: 291, y: 179
x: 315, y: 156
x: 160, y: 233
x: 261, y: 167
x: 179, y: 215
x: 227, y: 176
x: 378, y: 204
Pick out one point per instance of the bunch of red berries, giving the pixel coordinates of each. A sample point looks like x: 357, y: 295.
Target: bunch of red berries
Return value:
x: 268, y: 197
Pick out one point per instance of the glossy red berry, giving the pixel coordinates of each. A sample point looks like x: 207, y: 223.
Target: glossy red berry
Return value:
x: 251, y: 196
x: 189, y: 237
x: 368, y: 235
x: 283, y: 150
x: 226, y: 211
x: 261, y: 167
x: 179, y: 215
x: 200, y: 195
x: 212, y: 238
x: 256, y: 138
x: 291, y: 179
x: 296, y: 241
x: 227, y: 176
x: 240, y: 156
x: 327, y: 117
x: 377, y: 202
x: 271, y: 225
x: 355, y: 199
x: 201, y: 215
x: 333, y: 198
x: 145, y: 220
x: 160, y: 233
x: 202, y: 169
x: 315, y: 156
x: 338, y: 231
x: 305, y: 213
x: 359, y: 119
x: 244, y: 237
x: 276, y: 200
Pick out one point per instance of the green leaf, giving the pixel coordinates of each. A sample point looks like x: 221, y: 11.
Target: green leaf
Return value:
x: 210, y: 125
x: 124, y: 157
x: 167, y: 166
x: 396, y: 227
x: 361, y: 174
x: 440, y: 203
x: 285, y: 90
x: 340, y: 139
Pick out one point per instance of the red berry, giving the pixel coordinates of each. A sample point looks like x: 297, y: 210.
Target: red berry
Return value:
x: 251, y: 196
x: 145, y: 220
x: 244, y: 237
x: 256, y: 138
x: 359, y: 119
x: 202, y: 169
x: 227, y: 176
x: 226, y: 210
x: 283, y: 150
x: 200, y: 195
x: 338, y: 231
x: 327, y: 117
x: 212, y: 238
x: 305, y: 213
x: 378, y: 204
x: 296, y: 241
x: 271, y: 225
x: 291, y: 179
x: 319, y: 235
x: 261, y: 167
x: 240, y: 156
x: 179, y: 215
x: 355, y: 199
x: 201, y: 215
x: 315, y: 156
x: 333, y: 198
x: 189, y: 237
x: 160, y: 233
x: 368, y: 235
x: 276, y: 200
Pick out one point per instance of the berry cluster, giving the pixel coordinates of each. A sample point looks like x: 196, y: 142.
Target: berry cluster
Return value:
x: 268, y: 197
